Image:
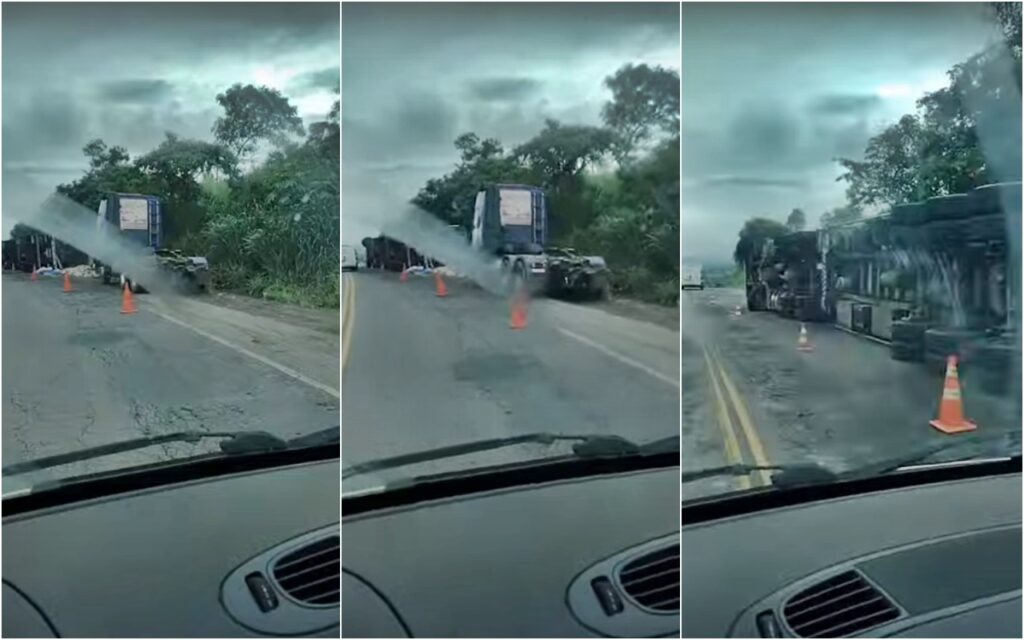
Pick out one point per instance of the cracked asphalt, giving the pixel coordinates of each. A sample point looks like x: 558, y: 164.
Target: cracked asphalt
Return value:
x: 843, y: 405
x: 424, y: 371
x: 78, y: 373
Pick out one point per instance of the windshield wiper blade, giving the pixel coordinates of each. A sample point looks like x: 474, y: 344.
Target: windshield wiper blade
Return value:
x: 233, y: 442
x: 588, y: 446
x: 789, y: 475
x: 920, y: 455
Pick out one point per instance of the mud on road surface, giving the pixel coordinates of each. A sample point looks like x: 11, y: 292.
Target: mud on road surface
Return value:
x: 78, y: 373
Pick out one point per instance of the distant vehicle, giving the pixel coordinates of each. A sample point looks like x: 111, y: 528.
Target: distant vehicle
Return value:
x: 511, y: 221
x: 349, y: 258
x: 692, y: 277
x: 140, y: 218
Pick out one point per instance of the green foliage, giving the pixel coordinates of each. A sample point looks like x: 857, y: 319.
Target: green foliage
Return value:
x: 797, y: 220
x: 272, y: 232
x: 628, y: 214
x: 253, y: 114
x: 644, y: 99
x: 753, y: 235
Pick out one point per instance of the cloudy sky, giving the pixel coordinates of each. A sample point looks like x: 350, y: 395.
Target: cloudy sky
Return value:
x: 773, y: 92
x: 415, y: 76
x: 127, y: 73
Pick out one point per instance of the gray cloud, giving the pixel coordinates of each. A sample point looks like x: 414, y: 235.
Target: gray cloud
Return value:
x: 504, y: 89
x: 66, y: 81
x: 774, y: 92
x: 845, y: 104
x: 416, y: 75
x: 327, y: 78
x: 750, y: 181
x: 140, y: 91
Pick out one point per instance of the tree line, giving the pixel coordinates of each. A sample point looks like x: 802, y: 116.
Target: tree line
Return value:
x: 269, y: 223
x: 613, y: 190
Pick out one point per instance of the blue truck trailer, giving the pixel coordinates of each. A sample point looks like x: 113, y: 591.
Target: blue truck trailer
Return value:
x: 140, y: 219
x: 510, y: 221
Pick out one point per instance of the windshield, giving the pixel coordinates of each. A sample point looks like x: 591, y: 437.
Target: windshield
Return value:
x: 170, y: 234
x: 517, y: 196
x: 852, y: 190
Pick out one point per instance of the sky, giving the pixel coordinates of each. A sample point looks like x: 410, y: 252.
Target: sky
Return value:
x: 415, y: 76
x: 771, y: 93
x: 128, y: 72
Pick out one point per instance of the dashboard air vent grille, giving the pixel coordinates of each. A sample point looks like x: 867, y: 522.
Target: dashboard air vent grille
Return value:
x: 844, y: 605
x: 652, y: 580
x: 311, y: 574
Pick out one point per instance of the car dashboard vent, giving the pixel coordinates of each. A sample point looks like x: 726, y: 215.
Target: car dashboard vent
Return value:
x: 844, y: 605
x: 311, y: 574
x: 652, y: 580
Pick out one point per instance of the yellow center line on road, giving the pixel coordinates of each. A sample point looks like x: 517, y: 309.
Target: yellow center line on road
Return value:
x: 732, y: 447
x: 752, y: 438
x: 348, y: 318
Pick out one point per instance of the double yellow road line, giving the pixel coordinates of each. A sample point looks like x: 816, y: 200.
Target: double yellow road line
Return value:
x: 742, y: 446
x: 348, y: 317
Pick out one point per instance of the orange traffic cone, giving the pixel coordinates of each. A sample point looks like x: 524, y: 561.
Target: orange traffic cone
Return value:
x: 442, y: 289
x: 35, y: 275
x: 803, y: 343
x: 951, y: 407
x: 127, y: 301
x: 518, y: 317
x: 67, y: 283
x: 405, y: 275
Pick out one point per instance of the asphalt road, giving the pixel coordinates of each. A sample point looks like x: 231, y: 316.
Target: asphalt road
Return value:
x: 750, y: 396
x: 78, y: 373
x: 422, y: 371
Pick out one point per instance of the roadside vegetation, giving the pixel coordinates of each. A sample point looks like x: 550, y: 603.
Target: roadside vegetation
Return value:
x: 613, y: 189
x: 962, y: 136
x: 260, y: 200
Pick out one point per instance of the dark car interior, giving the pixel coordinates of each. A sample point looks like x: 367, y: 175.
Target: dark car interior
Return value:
x: 546, y: 554
x: 225, y: 547
x: 924, y: 554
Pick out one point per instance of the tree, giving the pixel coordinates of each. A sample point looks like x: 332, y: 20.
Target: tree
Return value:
x: 253, y: 114
x: 110, y: 170
x: 175, y: 169
x: 560, y: 153
x: 841, y: 215
x: 797, y: 220
x: 644, y: 99
x: 753, y: 235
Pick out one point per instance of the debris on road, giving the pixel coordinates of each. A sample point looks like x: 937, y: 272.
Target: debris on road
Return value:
x: 81, y: 271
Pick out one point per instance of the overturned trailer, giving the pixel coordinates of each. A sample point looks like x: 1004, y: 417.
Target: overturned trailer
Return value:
x: 933, y: 278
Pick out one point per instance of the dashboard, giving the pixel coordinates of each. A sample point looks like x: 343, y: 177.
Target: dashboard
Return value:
x: 585, y: 557
x: 243, y: 555
x: 924, y: 561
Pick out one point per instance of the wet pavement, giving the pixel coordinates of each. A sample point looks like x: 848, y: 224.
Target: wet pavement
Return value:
x: 750, y: 396
x: 78, y: 373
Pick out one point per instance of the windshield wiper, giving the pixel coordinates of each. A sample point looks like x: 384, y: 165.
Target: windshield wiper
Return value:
x: 921, y: 455
x: 789, y: 475
x: 232, y: 442
x: 587, y: 446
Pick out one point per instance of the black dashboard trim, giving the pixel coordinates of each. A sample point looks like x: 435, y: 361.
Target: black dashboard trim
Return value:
x: 383, y: 598
x: 744, y: 503
x: 32, y: 603
x: 135, y: 479
x: 517, y: 475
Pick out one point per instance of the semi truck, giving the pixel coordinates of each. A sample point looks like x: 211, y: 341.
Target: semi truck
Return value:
x: 510, y: 222
x: 140, y: 219
x: 932, y: 279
